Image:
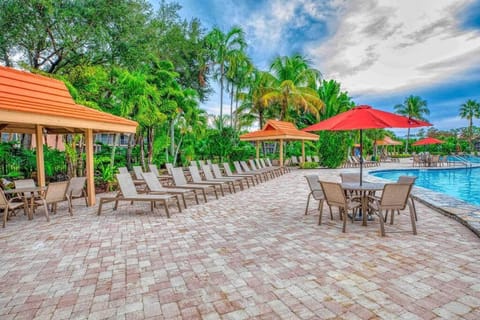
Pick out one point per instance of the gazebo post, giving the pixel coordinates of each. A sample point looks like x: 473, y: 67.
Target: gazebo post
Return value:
x: 303, y: 151
x: 40, y: 157
x: 281, y: 153
x: 258, y: 149
x: 89, y: 167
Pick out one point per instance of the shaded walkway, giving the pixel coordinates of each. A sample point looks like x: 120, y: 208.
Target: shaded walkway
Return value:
x: 251, y: 254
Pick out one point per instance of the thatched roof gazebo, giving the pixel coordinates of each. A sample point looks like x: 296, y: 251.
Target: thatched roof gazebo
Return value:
x: 281, y: 131
x: 37, y: 105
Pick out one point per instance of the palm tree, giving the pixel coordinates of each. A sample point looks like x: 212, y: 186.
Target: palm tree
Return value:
x: 295, y: 86
x: 253, y: 106
x: 225, y: 46
x: 469, y: 110
x: 413, y: 107
x: 335, y: 101
x: 239, y: 68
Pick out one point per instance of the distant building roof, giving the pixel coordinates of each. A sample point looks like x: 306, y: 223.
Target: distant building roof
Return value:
x: 276, y: 130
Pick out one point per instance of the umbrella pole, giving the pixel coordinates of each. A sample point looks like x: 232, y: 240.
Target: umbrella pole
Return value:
x: 361, y: 156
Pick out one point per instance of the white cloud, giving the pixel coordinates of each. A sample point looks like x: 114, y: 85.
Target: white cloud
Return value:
x: 381, y: 46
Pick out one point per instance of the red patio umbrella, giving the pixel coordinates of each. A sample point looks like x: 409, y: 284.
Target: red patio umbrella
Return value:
x: 366, y: 117
x: 426, y: 141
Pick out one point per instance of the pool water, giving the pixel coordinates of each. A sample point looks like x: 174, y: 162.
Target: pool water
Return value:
x: 461, y: 183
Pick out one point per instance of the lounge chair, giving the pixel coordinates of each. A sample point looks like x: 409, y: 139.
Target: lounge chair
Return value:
x: 76, y: 189
x: 164, y: 178
x: 56, y: 192
x: 252, y: 170
x: 123, y: 170
x: 128, y: 192
x: 155, y: 187
x: 309, y: 158
x: 316, y: 159
x: 229, y: 173
x: 181, y: 182
x: 216, y: 174
x: 394, y: 197
x: 138, y: 171
x: 239, y: 170
x: 317, y: 193
x: 8, y: 206
x: 255, y: 164
x: 29, y: 197
x: 197, y: 179
x: 335, y: 197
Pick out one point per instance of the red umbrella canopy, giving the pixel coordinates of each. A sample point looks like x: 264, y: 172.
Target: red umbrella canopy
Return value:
x: 426, y: 141
x: 366, y: 117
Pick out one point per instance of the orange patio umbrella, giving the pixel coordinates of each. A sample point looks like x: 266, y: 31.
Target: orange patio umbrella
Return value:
x: 366, y: 117
x: 425, y: 141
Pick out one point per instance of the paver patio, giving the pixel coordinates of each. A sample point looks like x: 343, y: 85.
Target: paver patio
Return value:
x: 253, y: 254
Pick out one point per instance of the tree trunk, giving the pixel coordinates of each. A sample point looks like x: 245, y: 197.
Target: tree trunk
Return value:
x: 129, y: 150
x: 231, y: 106
x: 172, y: 138
x: 221, y: 96
x: 142, y: 152
x: 116, y: 140
x: 150, y: 139
x: 176, y: 152
x: 236, y: 124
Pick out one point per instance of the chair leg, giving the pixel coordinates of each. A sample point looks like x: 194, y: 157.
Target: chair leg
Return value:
x: 412, y: 219
x: 382, y: 223
x: 178, y: 203
x: 320, y: 209
x: 70, y: 206
x: 5, y: 215
x: 344, y: 213
x: 46, y: 210
x: 308, y: 201
x: 184, y: 201
x: 413, y: 206
x: 166, y: 208
x: 205, y: 195
x: 196, y: 196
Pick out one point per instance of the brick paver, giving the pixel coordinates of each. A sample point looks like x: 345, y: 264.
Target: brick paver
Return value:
x: 253, y: 254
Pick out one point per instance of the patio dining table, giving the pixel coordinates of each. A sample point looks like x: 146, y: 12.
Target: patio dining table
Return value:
x: 23, y: 193
x: 364, y: 190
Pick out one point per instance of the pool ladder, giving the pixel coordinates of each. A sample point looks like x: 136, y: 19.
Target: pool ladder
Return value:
x: 463, y: 160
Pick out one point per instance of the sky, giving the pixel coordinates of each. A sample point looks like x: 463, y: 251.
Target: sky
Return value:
x: 381, y: 51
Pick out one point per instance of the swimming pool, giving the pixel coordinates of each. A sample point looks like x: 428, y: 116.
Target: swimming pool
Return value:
x: 461, y: 183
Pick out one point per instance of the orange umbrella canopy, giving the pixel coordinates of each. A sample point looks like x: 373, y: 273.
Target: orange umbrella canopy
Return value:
x: 426, y: 141
x: 387, y: 141
x: 276, y: 130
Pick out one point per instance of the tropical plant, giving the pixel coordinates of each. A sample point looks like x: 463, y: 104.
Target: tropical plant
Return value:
x: 470, y: 110
x: 225, y: 46
x: 295, y: 86
x: 413, y: 107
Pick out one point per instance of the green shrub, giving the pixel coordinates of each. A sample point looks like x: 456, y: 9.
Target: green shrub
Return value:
x: 308, y: 165
x: 402, y: 155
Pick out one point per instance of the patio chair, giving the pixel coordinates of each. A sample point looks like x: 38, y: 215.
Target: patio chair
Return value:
x: 181, y: 182
x: 164, y: 178
x: 277, y: 171
x: 309, y: 158
x: 169, y: 167
x: 217, y: 174
x: 197, y: 179
x: 335, y: 197
x: 239, y: 170
x: 76, y: 189
x: 394, y: 197
x: 56, y: 192
x: 29, y: 197
x: 207, y: 173
x: 257, y: 165
x: 294, y: 160
x: 317, y: 193
x: 155, y: 187
x: 408, y: 180
x: 282, y: 170
x: 248, y: 177
x: 123, y: 170
x: 316, y: 159
x: 8, y: 206
x: 128, y: 192
x: 252, y: 170
x: 138, y: 171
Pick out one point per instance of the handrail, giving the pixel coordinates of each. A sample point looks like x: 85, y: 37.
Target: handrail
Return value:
x: 463, y: 160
